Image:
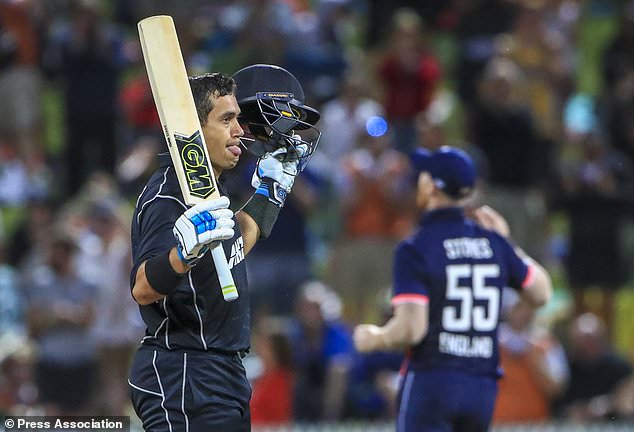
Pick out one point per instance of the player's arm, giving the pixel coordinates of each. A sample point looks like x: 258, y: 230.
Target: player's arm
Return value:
x: 195, y: 230
x: 537, y: 286
x: 407, y: 327
x: 272, y: 179
x: 143, y: 292
x: 249, y: 229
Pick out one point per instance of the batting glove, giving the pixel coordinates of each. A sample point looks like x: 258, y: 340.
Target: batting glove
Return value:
x: 201, y: 225
x: 275, y: 173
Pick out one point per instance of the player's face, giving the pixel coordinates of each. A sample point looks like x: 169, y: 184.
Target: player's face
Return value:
x: 222, y: 133
x: 424, y: 190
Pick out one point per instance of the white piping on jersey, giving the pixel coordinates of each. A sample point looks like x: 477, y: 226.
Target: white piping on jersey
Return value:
x: 138, y: 199
x: 200, y: 320
x: 183, y: 392
x: 407, y: 389
x: 157, y: 330
x: 158, y: 378
x: 158, y: 195
x: 167, y: 324
x: 144, y: 390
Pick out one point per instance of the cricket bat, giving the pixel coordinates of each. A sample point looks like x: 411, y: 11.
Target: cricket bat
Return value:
x: 177, y: 111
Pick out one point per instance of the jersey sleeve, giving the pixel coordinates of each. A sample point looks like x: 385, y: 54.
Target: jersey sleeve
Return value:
x: 521, y: 273
x: 409, y: 282
x: 155, y: 224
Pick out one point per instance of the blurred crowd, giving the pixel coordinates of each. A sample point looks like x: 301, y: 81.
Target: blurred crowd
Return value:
x: 540, y: 93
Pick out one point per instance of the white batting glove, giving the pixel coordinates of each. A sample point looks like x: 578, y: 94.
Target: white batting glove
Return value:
x: 201, y: 225
x: 275, y: 173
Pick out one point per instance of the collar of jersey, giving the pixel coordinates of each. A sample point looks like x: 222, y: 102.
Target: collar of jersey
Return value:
x: 441, y: 214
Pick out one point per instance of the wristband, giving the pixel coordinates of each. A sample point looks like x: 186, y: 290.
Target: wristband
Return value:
x: 272, y: 189
x: 264, y: 213
x: 161, y: 275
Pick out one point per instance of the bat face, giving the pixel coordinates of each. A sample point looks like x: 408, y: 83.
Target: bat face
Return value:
x: 195, y: 165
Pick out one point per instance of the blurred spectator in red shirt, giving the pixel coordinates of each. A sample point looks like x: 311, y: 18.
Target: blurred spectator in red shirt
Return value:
x: 409, y: 72
x: 272, y: 397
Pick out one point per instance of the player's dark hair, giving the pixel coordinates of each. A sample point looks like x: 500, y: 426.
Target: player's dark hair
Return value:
x: 206, y: 87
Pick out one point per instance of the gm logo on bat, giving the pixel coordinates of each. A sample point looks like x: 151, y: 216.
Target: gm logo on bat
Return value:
x: 195, y: 164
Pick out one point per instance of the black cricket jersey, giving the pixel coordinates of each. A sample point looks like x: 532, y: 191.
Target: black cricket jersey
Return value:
x: 195, y: 317
x: 460, y: 269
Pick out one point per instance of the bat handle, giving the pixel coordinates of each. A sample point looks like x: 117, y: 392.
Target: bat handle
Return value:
x: 228, y: 287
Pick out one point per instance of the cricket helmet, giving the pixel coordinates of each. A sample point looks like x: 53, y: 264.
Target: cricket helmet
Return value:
x: 273, y: 111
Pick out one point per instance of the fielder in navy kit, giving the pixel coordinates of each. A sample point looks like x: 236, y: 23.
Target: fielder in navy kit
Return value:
x: 187, y: 374
x: 448, y: 282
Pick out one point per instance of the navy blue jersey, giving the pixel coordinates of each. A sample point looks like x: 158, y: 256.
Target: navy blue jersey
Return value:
x: 195, y: 316
x: 460, y: 269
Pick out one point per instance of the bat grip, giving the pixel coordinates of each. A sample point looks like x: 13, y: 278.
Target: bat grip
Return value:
x: 228, y: 287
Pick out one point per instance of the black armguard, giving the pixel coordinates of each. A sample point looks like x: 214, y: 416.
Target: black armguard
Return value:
x: 263, y: 212
x: 161, y: 275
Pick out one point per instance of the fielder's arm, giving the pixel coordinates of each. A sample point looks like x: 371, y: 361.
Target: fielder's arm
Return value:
x: 407, y: 327
x: 540, y: 290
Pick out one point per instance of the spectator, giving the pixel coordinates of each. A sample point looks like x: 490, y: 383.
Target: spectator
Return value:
x: 601, y: 382
x: 617, y: 110
x: 12, y: 307
x: 30, y: 238
x: 547, y: 79
x: 18, y: 393
x: 343, y: 119
x: 86, y: 53
x: 322, y: 346
x: 374, y: 379
x: 20, y: 79
x: 373, y: 386
x: 479, y: 25
x: 505, y: 132
x: 60, y: 311
x: 377, y: 211
x: 534, y: 366
x: 14, y: 178
x: 15, y: 378
x: 409, y: 73
x: 117, y: 328
x: 318, y: 51
x: 593, y: 185
x: 261, y: 37
x: 272, y: 397
x: 431, y: 134
x: 618, y: 83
